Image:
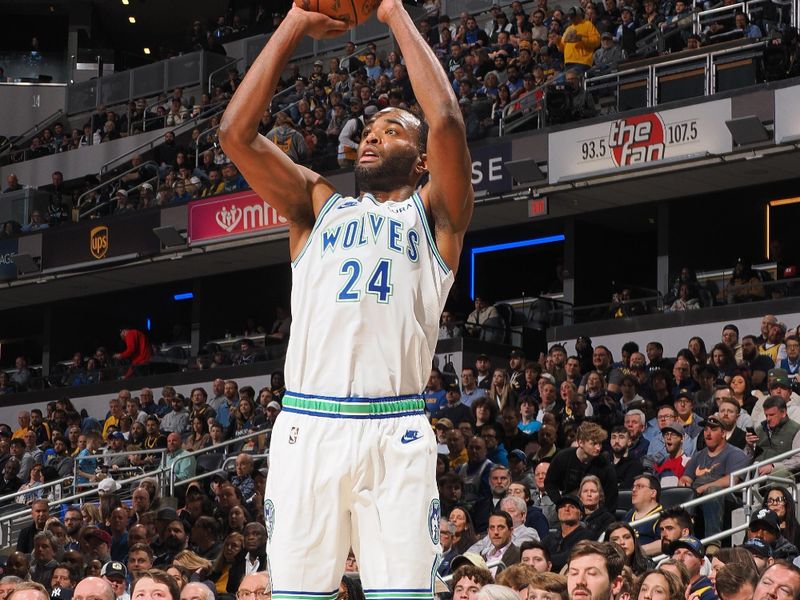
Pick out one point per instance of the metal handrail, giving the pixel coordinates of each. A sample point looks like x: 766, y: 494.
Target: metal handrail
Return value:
x: 755, y: 466
x: 108, y: 182
x: 110, y: 201
x: 31, y: 130
x: 650, y: 69
x: 222, y: 68
x: 197, y: 154
x: 177, y: 130
x: 211, y: 448
x: 147, y: 110
x: 509, y: 110
x: 764, y: 284
x: 609, y: 304
x: 222, y: 469
x: 8, y: 518
x: 36, y: 488
x: 706, y: 497
x: 77, y: 459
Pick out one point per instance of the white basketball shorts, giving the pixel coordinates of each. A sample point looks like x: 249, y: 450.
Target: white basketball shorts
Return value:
x: 352, y: 472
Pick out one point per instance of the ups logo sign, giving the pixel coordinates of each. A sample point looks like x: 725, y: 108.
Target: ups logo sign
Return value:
x: 98, y: 241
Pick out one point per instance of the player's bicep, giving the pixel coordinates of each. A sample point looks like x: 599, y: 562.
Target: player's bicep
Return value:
x: 286, y: 186
x: 449, y: 190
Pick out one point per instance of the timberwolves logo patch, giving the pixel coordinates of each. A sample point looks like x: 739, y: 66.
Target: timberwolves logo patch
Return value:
x: 434, y: 516
x: 269, y: 516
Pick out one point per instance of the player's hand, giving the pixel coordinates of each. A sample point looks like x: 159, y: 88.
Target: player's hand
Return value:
x: 317, y: 25
x: 388, y: 9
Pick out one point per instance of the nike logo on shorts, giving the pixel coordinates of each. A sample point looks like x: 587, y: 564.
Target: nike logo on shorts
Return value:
x: 410, y: 435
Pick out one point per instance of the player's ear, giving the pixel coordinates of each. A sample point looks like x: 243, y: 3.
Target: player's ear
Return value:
x: 422, y: 164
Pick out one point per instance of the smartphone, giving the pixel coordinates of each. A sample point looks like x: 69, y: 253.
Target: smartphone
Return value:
x: 750, y: 430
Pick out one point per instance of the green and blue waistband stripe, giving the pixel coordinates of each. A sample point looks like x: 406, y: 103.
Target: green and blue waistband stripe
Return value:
x: 399, y: 594
x: 295, y: 595
x: 353, y: 407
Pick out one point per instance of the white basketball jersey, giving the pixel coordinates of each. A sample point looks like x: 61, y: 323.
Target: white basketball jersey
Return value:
x: 368, y: 289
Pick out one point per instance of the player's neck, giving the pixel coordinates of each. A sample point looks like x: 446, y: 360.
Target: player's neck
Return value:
x: 400, y: 193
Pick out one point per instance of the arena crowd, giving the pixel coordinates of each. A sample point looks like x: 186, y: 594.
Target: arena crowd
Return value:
x: 534, y: 460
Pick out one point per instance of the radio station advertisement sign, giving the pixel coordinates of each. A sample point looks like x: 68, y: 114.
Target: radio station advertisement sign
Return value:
x: 231, y: 216
x: 8, y: 250
x: 95, y: 241
x: 639, y: 141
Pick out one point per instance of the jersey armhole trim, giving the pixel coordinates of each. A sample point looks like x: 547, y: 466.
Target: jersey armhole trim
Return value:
x: 325, y: 210
x: 431, y: 240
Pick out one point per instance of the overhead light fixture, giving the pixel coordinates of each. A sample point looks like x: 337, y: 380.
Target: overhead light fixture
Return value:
x: 125, y: 2
x: 747, y: 130
x: 147, y: 50
x: 131, y: 20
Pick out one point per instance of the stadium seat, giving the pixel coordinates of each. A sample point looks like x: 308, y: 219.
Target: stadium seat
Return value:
x: 623, y: 503
x: 675, y: 496
x: 209, y: 462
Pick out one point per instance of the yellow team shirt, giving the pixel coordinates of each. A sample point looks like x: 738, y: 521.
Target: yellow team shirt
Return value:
x: 582, y: 51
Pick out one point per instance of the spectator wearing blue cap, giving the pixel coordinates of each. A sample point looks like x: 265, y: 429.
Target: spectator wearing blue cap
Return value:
x: 760, y: 550
x: 689, y: 550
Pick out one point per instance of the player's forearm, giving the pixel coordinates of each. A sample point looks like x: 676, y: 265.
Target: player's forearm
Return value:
x: 240, y: 120
x: 428, y: 79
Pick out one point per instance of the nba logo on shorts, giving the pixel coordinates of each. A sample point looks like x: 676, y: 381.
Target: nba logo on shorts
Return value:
x: 293, y: 434
x: 434, y: 514
x: 269, y: 516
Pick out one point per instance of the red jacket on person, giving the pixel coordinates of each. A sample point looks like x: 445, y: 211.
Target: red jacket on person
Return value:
x: 137, y: 348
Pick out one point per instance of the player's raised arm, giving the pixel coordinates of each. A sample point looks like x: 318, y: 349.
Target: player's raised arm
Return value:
x: 292, y: 189
x: 449, y: 191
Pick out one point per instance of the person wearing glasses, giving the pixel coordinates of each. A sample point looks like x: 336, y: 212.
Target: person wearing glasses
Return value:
x: 645, y: 501
x: 254, y: 587
x: 779, y: 501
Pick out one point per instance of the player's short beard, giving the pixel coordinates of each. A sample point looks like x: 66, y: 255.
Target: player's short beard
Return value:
x: 391, y: 173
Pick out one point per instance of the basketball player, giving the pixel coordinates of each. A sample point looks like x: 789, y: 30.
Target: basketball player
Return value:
x: 353, y: 457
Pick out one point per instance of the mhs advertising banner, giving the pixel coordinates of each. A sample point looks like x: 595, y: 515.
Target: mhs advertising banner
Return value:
x: 93, y: 242
x: 639, y: 141
x: 231, y: 216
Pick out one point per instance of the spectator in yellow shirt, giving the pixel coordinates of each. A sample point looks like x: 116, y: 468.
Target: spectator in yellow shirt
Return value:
x: 579, y: 42
x: 24, y: 420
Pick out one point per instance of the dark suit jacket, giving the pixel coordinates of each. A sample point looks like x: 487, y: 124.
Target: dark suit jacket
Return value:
x: 237, y: 569
x: 511, y: 556
x: 536, y: 519
x: 481, y: 512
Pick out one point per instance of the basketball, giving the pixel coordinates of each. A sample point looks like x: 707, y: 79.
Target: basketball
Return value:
x: 352, y: 12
